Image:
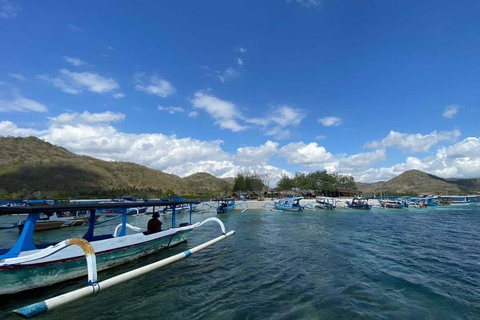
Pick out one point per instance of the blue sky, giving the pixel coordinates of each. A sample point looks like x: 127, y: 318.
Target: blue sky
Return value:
x: 367, y: 88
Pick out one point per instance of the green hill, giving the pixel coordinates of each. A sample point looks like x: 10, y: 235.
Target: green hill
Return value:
x: 415, y: 182
x: 30, y: 167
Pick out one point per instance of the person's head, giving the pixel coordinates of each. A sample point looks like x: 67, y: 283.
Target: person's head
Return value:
x: 155, y: 215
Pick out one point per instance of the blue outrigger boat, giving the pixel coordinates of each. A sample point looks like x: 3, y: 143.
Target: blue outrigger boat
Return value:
x: 28, y: 265
x: 291, y: 203
x: 359, y: 203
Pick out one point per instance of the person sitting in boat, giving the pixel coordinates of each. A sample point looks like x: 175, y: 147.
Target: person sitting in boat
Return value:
x: 154, y: 225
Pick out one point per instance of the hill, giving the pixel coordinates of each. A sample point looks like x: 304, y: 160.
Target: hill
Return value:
x: 415, y: 182
x: 30, y: 167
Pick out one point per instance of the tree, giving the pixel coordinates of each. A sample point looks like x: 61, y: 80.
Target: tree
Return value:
x: 285, y: 183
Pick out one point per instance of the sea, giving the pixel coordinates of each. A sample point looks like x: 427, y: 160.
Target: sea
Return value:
x: 342, y: 264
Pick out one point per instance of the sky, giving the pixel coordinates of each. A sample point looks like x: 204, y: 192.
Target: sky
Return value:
x: 368, y: 88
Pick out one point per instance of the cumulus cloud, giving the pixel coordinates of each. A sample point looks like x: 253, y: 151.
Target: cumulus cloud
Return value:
x: 193, y: 114
x: 460, y: 160
x: 17, y: 76
x: 76, y: 82
x: 8, y: 128
x: 21, y: 104
x: 171, y: 110
x: 330, y: 121
x: 158, y: 87
x: 308, y: 155
x: 278, y: 118
x: 8, y: 9
x: 413, y: 142
x: 256, y: 155
x: 87, y: 118
x: 93, y: 134
x: 450, y: 111
x: 225, y: 113
x: 75, y: 61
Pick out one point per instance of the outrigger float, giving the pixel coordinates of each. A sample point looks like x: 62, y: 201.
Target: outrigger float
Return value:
x: 28, y: 265
x: 291, y: 203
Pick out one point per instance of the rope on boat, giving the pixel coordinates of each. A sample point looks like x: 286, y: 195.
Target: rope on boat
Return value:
x: 42, y: 307
x: 82, y: 243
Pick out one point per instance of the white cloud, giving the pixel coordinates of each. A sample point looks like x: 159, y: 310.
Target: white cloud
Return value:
x: 21, y: 104
x: 308, y: 155
x: 307, y: 3
x: 239, y: 62
x: 87, y: 118
x: 356, y: 162
x: 8, y: 128
x: 8, y: 9
x: 278, y: 118
x: 159, y: 87
x: 171, y: 110
x: 119, y: 95
x: 74, y: 28
x: 75, y: 61
x: 413, y: 142
x: 228, y: 75
x: 450, y: 111
x: 256, y: 155
x: 224, y: 112
x: 193, y: 114
x: 320, y: 137
x: 17, y: 76
x: 330, y: 121
x: 460, y: 160
x: 76, y: 82
x: 240, y: 49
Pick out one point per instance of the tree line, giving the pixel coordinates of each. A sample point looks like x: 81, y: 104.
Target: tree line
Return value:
x: 317, y: 181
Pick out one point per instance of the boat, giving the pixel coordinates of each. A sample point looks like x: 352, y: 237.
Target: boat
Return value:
x: 425, y: 200
x: 54, y: 221
x: 326, y: 203
x: 225, y: 205
x: 457, y: 200
x: 358, y: 203
x: 28, y: 265
x: 291, y: 203
x: 399, y: 203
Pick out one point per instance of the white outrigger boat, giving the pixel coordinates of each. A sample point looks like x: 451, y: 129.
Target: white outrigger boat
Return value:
x: 28, y: 265
x: 326, y: 203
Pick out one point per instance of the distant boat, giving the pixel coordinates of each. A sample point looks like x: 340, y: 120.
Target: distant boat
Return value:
x: 458, y: 200
x: 359, y: 204
x: 424, y: 201
x: 225, y: 205
x: 399, y: 203
x: 54, y: 222
x: 291, y: 203
x: 326, y: 203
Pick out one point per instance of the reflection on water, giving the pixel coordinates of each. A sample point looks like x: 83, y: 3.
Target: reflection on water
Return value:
x: 383, y: 264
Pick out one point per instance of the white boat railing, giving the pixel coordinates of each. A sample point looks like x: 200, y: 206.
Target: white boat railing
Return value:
x: 82, y: 243
x: 129, y: 226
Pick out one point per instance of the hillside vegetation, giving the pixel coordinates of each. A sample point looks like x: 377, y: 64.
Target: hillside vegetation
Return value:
x: 415, y: 182
x: 30, y: 167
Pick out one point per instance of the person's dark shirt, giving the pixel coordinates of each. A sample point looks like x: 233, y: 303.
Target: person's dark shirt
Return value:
x: 154, y: 225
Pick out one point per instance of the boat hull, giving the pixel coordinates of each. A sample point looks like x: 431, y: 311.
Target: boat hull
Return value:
x: 68, y: 266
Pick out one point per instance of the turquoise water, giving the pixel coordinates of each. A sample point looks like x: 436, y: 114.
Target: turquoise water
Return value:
x: 382, y: 264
